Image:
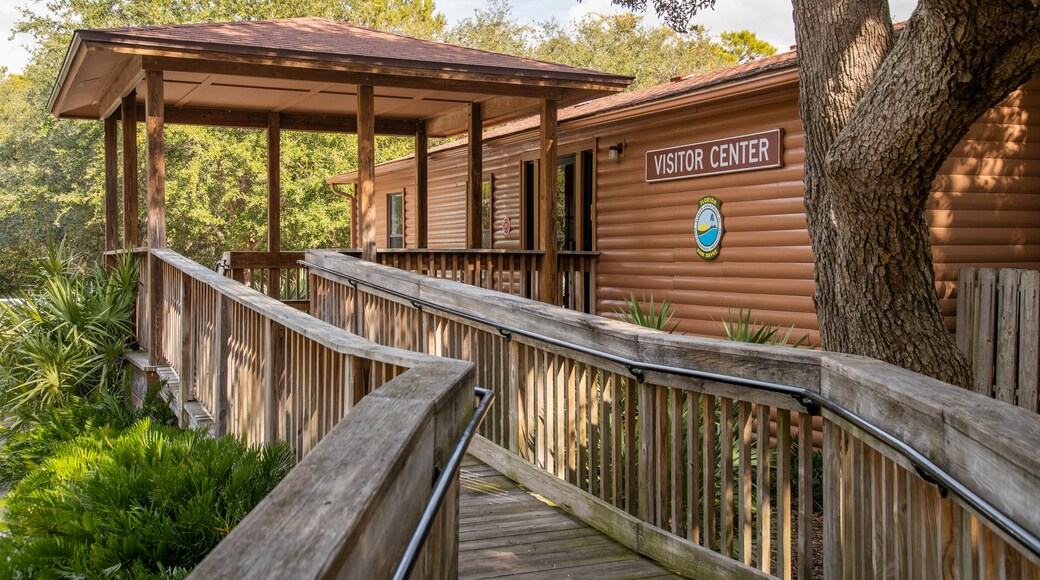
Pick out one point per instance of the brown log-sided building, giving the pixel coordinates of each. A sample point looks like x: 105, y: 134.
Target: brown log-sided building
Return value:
x: 636, y: 205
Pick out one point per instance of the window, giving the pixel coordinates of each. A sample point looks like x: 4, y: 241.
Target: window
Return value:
x: 486, y: 216
x: 395, y: 220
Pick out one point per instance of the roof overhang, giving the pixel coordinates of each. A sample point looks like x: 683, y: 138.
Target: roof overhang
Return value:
x: 103, y: 66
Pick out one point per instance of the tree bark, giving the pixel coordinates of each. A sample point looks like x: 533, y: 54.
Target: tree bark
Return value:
x: 880, y: 118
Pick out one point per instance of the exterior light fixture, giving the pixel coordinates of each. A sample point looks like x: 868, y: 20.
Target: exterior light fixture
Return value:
x: 615, y: 151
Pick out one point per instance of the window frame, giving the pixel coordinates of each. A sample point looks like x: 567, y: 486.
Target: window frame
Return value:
x: 390, y: 236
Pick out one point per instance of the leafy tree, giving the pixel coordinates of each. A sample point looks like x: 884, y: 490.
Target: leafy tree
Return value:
x: 882, y: 110
x: 745, y: 46
x: 492, y: 28
x: 622, y: 44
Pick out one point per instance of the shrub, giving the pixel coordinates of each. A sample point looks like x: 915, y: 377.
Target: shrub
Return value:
x: 151, y: 501
x: 68, y: 338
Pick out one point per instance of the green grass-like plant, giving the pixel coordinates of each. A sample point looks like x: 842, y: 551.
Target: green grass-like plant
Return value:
x: 650, y: 315
x: 745, y: 329
x: 151, y: 501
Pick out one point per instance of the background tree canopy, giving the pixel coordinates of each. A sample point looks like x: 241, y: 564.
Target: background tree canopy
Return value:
x: 52, y: 174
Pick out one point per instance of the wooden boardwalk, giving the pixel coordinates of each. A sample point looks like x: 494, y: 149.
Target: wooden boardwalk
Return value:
x: 505, y: 531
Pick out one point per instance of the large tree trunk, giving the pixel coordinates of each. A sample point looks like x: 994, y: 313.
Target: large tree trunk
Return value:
x: 875, y: 140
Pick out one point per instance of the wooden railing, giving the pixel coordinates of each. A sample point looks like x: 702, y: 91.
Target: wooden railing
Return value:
x: 697, y: 452
x: 277, y: 274
x: 513, y: 272
x: 369, y: 425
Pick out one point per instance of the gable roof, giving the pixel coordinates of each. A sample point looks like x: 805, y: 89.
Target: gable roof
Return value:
x: 329, y: 40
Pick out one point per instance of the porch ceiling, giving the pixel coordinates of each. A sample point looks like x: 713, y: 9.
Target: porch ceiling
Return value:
x: 312, y: 66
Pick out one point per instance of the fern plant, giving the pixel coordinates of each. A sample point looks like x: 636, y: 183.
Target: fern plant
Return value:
x: 649, y: 316
x: 151, y: 501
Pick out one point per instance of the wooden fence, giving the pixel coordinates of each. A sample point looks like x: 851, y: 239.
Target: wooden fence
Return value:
x: 686, y: 470
x: 998, y: 329
x: 382, y: 420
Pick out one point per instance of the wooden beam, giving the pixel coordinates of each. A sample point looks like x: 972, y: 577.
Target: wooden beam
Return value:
x: 130, y: 193
x: 156, y: 160
x: 366, y: 171
x: 123, y: 82
x: 548, y: 284
x: 111, y: 184
x: 488, y: 84
x: 492, y: 111
x: 274, y: 185
x: 289, y: 121
x: 475, y: 176
x: 188, y: 96
x: 422, y: 187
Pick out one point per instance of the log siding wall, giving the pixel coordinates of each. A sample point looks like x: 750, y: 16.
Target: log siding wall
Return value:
x: 985, y: 210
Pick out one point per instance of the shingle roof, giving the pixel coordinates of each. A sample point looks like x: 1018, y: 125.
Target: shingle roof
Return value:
x: 324, y: 39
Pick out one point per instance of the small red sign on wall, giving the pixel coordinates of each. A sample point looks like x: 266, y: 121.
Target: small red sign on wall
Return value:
x: 506, y: 226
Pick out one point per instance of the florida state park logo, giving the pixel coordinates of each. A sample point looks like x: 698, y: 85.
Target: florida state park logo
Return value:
x: 707, y: 227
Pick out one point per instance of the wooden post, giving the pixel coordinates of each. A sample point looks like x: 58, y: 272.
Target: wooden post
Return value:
x: 422, y: 186
x: 367, y: 171
x: 274, y: 370
x: 186, y: 368
x: 156, y: 171
x: 474, y: 179
x: 221, y: 350
x: 274, y: 200
x: 156, y: 166
x: 111, y: 184
x: 130, y: 193
x: 274, y: 186
x: 547, y: 276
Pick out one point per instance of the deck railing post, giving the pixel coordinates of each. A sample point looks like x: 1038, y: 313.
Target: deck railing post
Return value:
x: 832, y: 501
x: 274, y: 369
x: 220, y: 359
x: 513, y: 397
x: 186, y: 366
x: 155, y: 311
x: 647, y: 452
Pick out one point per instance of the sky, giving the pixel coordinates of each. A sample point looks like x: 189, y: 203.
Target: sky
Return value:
x: 769, y: 19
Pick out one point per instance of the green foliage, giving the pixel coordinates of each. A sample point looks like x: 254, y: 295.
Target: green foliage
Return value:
x: 151, y: 501
x: 68, y: 338
x: 622, y: 44
x: 26, y: 445
x: 650, y: 316
x: 744, y: 329
x: 745, y: 46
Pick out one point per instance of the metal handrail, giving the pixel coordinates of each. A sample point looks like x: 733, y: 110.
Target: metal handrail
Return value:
x: 440, y: 489
x: 811, y: 401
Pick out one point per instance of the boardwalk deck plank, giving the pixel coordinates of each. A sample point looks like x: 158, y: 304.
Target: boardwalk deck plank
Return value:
x: 508, y: 532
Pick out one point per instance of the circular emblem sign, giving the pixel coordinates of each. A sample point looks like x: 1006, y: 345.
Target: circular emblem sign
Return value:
x: 506, y: 226
x: 707, y: 227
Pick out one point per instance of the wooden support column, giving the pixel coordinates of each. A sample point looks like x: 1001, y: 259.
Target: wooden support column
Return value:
x: 274, y: 182
x: 156, y: 165
x: 274, y: 200
x: 475, y: 176
x: 366, y: 172
x: 422, y: 187
x: 156, y: 172
x: 130, y: 193
x: 111, y: 183
x: 548, y: 286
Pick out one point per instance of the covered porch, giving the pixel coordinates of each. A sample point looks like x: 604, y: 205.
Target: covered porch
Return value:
x: 310, y: 74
